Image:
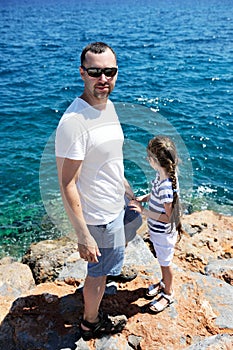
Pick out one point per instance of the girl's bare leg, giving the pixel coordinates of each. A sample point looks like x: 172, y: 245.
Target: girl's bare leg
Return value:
x: 167, y: 276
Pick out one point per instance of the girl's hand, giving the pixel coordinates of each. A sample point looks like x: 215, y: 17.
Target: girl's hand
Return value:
x: 144, y: 198
x: 136, y: 205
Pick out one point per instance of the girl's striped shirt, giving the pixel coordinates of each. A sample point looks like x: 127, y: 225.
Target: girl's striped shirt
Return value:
x: 161, y: 193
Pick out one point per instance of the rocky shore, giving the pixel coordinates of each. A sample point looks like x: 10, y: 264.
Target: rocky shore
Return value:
x: 41, y: 296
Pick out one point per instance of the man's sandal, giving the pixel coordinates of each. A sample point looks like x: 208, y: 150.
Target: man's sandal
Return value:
x: 156, y: 306
x: 155, y: 289
x: 104, y: 326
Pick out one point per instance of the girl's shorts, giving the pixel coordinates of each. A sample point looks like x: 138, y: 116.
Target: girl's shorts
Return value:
x: 164, y: 245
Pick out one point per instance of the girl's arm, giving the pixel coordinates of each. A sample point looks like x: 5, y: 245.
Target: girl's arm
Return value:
x: 160, y: 217
x: 137, y: 206
x: 144, y: 198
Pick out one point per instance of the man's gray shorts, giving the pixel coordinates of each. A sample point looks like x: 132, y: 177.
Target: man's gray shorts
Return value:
x: 110, y: 239
x: 132, y: 222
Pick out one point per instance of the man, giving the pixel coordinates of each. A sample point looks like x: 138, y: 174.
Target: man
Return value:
x: 89, y: 143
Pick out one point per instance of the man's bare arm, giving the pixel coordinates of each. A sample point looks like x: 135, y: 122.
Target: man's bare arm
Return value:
x: 128, y: 190
x: 68, y: 172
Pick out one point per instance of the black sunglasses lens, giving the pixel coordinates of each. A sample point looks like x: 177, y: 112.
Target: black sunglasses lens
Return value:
x: 94, y: 72
x: 110, y: 72
x: 97, y: 72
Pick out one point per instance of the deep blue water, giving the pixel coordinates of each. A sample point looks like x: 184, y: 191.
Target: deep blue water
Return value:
x: 174, y: 58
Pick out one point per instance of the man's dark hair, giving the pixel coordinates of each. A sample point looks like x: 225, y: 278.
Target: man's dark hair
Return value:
x: 97, y: 48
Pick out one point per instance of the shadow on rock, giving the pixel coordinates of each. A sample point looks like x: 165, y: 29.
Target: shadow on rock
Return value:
x: 47, y: 322
x: 42, y: 322
x: 123, y: 302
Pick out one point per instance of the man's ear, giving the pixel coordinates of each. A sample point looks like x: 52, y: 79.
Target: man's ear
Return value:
x: 81, y: 71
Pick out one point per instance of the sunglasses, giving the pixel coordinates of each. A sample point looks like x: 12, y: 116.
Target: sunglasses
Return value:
x: 97, y: 72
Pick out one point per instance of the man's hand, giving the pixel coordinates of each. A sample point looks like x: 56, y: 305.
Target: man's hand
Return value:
x: 136, y: 205
x: 89, y: 251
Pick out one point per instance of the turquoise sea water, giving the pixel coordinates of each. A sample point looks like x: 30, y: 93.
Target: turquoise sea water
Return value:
x: 174, y: 58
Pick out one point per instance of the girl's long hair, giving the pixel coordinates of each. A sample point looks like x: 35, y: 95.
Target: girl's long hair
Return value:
x: 163, y: 150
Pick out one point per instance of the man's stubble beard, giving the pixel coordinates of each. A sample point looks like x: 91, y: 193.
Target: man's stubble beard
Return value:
x: 101, y: 96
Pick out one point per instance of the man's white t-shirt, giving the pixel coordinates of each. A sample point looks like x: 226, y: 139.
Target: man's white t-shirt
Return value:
x: 95, y: 137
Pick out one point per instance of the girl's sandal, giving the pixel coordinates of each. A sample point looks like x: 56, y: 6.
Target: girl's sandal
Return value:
x: 156, y: 306
x: 155, y: 289
x: 104, y: 326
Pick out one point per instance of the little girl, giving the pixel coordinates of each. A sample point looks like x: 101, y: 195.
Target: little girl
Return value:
x: 163, y: 216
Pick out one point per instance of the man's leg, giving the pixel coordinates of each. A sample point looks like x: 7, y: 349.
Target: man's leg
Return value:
x: 93, y: 292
